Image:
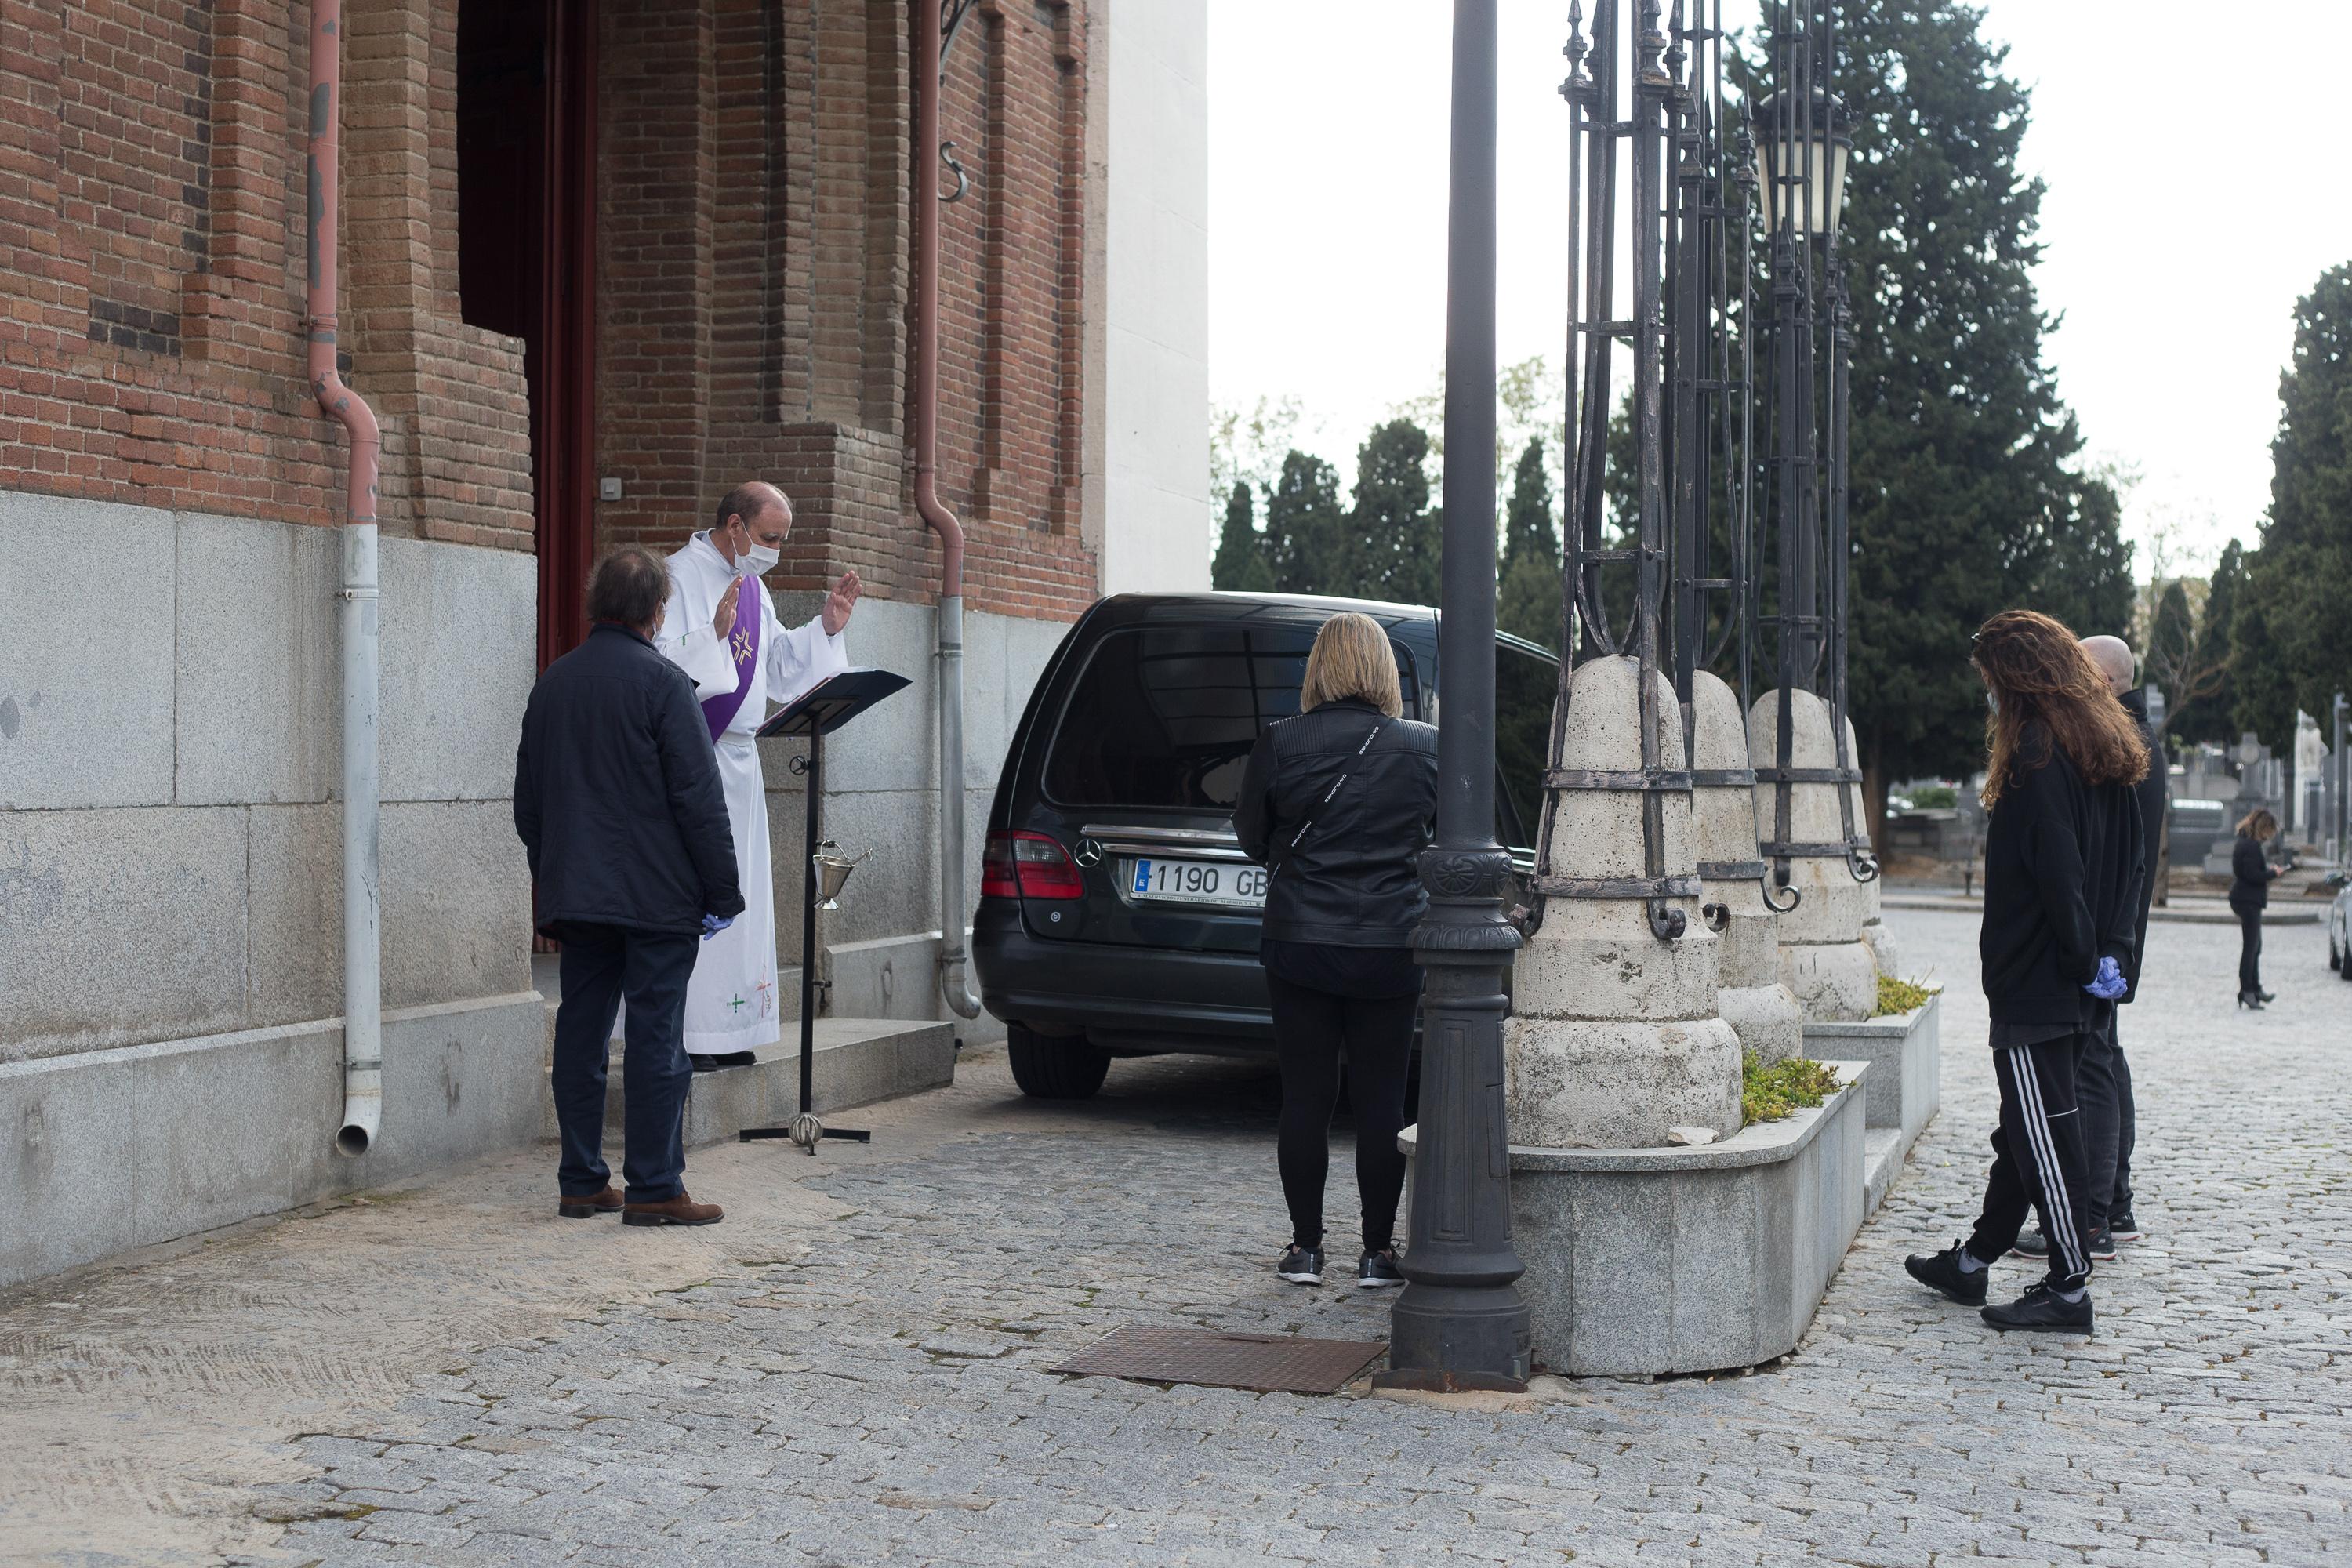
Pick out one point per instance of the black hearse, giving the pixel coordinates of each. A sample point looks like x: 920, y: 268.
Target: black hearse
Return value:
x: 1118, y: 915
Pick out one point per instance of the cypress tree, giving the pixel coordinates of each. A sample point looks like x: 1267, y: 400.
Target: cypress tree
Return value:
x: 2211, y: 715
x: 1306, y: 542
x: 1395, y: 531
x: 1966, y: 497
x: 1528, y: 602
x: 2293, y: 639
x: 1241, y: 564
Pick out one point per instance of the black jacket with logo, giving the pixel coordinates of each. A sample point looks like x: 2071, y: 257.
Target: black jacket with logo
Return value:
x: 2063, y: 863
x: 618, y: 795
x: 1352, y: 878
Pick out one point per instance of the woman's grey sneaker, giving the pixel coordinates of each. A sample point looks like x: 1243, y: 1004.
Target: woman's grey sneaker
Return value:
x: 1301, y: 1264
x: 1942, y: 1272
x: 1374, y: 1269
x: 2044, y: 1310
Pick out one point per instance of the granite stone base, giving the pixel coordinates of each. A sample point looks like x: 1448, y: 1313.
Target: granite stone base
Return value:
x: 105, y: 1151
x: 1649, y: 1261
x: 1905, y: 1054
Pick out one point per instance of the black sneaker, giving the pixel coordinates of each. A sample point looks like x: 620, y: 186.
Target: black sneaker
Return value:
x: 1301, y: 1264
x: 2123, y: 1228
x: 1374, y: 1269
x: 1942, y: 1272
x: 2042, y: 1310
x: 2036, y: 1245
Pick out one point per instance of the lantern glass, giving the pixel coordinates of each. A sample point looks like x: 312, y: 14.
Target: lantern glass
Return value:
x: 1819, y: 160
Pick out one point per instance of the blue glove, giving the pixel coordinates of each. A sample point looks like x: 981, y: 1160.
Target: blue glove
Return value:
x: 2109, y: 983
x: 713, y: 924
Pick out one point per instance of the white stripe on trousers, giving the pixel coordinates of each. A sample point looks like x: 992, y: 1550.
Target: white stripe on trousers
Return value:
x: 2058, y: 1210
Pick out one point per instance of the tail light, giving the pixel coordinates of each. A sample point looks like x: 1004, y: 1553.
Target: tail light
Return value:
x: 1027, y: 865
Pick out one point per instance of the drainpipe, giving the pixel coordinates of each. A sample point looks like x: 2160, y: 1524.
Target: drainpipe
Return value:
x: 955, y: 987
x: 362, y: 932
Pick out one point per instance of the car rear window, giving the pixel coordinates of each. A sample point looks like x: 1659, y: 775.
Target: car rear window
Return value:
x: 1165, y: 716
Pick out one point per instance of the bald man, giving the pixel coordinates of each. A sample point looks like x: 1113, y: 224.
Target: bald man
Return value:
x: 720, y: 627
x: 2103, y: 1084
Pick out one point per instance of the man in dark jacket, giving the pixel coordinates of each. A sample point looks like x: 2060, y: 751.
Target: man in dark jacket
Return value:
x: 618, y: 802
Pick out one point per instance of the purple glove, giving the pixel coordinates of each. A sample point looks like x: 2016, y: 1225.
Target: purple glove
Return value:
x: 713, y: 924
x: 2108, y: 983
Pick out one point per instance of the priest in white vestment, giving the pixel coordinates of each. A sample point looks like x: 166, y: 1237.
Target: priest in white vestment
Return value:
x: 720, y: 627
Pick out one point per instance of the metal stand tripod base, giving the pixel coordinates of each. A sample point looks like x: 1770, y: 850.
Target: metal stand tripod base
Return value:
x: 806, y: 1131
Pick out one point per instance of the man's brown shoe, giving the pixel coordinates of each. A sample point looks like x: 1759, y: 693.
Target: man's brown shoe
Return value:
x: 679, y: 1210
x: 588, y: 1206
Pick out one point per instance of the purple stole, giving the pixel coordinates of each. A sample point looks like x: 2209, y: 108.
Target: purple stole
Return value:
x: 744, y: 643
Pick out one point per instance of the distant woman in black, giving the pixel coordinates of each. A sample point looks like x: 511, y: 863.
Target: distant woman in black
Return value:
x: 2250, y: 875
x: 1337, y: 803
x: 2064, y: 858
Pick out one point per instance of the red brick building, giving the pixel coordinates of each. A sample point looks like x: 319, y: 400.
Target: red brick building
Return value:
x: 628, y: 249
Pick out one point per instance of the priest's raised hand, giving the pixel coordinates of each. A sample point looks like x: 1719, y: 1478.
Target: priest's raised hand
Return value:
x: 840, y: 602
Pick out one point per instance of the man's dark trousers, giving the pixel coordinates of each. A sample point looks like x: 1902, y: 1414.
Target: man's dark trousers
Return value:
x: 2103, y: 1087
x: 600, y: 964
x: 2038, y: 1158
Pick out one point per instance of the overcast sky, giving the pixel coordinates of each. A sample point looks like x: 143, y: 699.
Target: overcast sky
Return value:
x: 2190, y: 153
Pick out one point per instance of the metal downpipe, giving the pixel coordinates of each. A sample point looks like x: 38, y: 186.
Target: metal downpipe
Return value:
x: 357, y: 612
x: 955, y: 983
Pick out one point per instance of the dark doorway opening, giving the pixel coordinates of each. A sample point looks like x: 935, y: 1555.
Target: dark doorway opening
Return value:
x: 526, y: 257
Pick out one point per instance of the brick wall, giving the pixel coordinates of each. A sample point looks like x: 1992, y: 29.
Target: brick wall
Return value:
x: 755, y: 168
x: 756, y: 165
x: 152, y: 237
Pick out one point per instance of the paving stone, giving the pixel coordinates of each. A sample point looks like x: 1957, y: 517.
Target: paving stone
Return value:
x: 878, y: 1394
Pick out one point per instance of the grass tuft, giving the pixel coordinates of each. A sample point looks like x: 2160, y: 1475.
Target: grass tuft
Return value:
x: 1901, y: 995
x: 1769, y: 1094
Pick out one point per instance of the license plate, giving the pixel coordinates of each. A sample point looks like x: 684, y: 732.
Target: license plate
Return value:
x: 1198, y: 882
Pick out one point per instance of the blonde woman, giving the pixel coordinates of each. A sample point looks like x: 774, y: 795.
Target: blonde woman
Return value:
x: 1337, y: 803
x: 2250, y: 875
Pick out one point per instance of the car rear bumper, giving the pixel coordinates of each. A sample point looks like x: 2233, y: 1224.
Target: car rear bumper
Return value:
x: 1126, y: 998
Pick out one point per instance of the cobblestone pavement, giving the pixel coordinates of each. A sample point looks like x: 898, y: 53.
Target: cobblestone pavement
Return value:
x: 866, y: 1383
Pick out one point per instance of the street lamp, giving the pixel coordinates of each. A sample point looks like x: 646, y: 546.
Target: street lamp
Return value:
x: 1460, y: 1322
x: 1802, y: 147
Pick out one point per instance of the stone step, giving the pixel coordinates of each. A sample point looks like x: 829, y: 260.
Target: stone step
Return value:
x: 1884, y: 1149
x: 856, y: 1061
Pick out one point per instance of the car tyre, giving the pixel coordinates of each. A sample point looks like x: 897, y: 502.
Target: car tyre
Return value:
x: 1048, y: 1069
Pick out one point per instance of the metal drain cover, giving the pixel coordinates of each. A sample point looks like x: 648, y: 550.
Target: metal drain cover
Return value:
x: 1267, y: 1363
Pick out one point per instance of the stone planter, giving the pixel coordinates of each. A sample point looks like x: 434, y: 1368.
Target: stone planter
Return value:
x: 1904, y: 1055
x: 1645, y: 1261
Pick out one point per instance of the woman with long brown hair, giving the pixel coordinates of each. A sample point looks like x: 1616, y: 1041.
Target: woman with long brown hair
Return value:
x: 2251, y: 876
x: 2063, y: 861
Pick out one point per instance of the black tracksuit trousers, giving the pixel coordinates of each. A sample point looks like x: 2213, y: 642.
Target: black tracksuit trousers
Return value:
x: 2038, y: 1159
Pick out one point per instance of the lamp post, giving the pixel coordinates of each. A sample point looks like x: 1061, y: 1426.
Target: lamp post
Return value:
x: 1802, y: 152
x: 1459, y: 1323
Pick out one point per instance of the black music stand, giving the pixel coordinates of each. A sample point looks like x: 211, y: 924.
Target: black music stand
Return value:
x: 816, y: 713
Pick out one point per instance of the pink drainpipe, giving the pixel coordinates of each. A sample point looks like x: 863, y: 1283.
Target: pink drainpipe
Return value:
x: 955, y: 988
x: 362, y: 910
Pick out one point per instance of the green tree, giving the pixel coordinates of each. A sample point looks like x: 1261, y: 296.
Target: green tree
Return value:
x: 1966, y: 494
x: 1528, y: 602
x: 2209, y: 714
x: 1395, y: 531
x: 1241, y: 564
x: 1306, y: 546
x: 2294, y: 637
